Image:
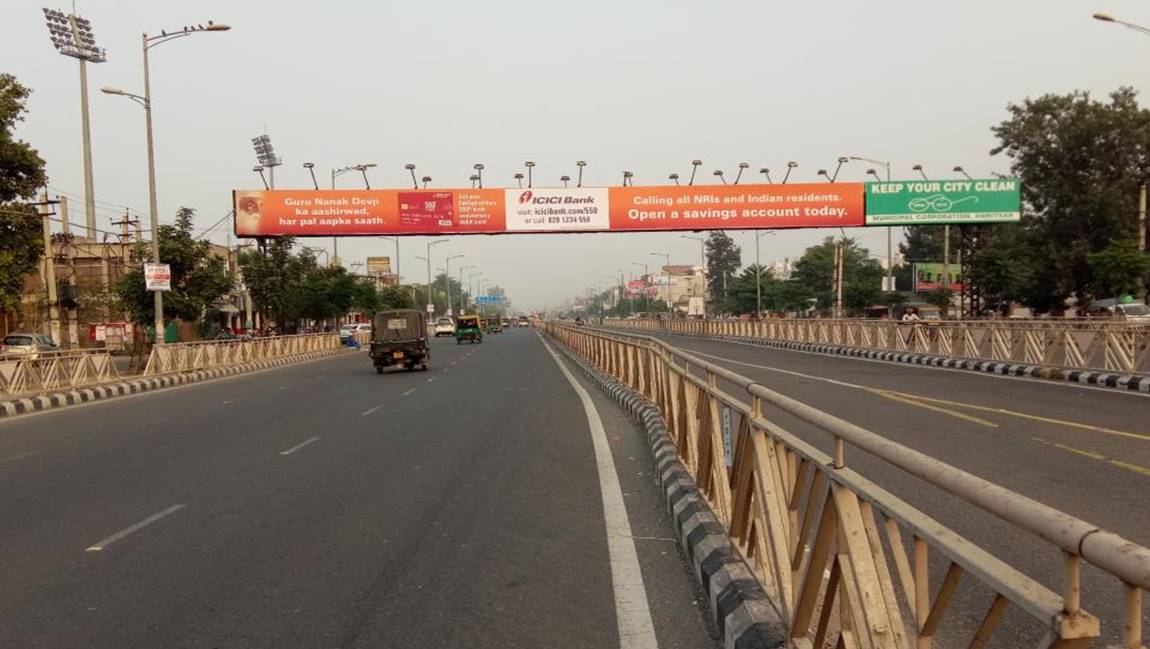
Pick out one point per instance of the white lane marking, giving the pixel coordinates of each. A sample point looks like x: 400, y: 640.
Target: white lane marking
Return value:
x: 431, y: 379
x: 843, y: 384
x: 632, y: 612
x: 100, y: 545
x: 21, y: 456
x: 299, y: 446
x: 453, y: 362
x: 408, y: 392
x: 369, y: 411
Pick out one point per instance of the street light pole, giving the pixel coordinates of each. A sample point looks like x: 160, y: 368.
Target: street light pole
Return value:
x: 645, y: 274
x: 790, y: 167
x: 889, y: 228
x: 666, y: 257
x: 759, y: 272
x: 428, y: 260
x: 447, y: 281
x: 1107, y: 18
x: 462, y: 299
x: 335, y: 173
x: 396, y: 257
x: 148, y: 42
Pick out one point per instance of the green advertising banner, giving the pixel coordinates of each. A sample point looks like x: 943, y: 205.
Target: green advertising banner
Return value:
x: 926, y: 202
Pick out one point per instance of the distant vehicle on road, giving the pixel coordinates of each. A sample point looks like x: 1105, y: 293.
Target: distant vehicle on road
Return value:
x: 506, y: 323
x: 399, y: 337
x: 28, y: 346
x: 524, y: 321
x: 444, y: 327
x: 494, y: 326
x: 468, y: 328
x: 1129, y: 311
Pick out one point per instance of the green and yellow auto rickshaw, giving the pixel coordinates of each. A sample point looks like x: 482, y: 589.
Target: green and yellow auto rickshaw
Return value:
x: 469, y: 328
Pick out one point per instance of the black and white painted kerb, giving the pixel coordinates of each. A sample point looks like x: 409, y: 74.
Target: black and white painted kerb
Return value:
x: 1131, y: 382
x: 13, y: 407
x: 744, y: 616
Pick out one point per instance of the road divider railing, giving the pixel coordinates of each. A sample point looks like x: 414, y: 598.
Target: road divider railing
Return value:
x: 1066, y: 344
x: 47, y: 371
x: 822, y: 538
x: 187, y: 357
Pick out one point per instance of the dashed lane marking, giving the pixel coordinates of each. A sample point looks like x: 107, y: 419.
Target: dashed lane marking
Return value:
x: 299, y: 446
x: 100, y: 545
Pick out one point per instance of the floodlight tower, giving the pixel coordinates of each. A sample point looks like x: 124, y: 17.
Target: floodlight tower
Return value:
x: 72, y: 36
x: 266, y: 154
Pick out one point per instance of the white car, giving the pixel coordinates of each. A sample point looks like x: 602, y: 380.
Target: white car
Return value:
x: 444, y: 327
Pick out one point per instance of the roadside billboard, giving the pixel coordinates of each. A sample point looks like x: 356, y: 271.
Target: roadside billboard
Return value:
x: 926, y: 202
x: 305, y: 213
x: 378, y: 266
x: 928, y: 276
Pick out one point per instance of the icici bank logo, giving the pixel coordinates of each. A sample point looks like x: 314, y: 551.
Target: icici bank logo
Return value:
x: 525, y: 197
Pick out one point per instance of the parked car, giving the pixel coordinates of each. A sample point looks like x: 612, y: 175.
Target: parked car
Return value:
x: 444, y: 327
x: 27, y: 345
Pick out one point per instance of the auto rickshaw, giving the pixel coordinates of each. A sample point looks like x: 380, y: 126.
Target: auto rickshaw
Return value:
x: 469, y: 328
x: 494, y: 326
x: 399, y: 338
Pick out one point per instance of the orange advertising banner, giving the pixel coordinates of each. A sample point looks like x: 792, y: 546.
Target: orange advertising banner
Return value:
x: 737, y: 207
x: 269, y: 213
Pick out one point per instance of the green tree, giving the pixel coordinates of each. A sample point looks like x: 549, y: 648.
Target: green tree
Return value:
x: 326, y: 292
x: 275, y: 279
x: 941, y: 298
x: 862, y: 276
x: 743, y: 297
x: 365, y: 297
x: 199, y: 277
x: 723, y: 261
x: 1002, y: 269
x: 923, y: 243
x: 21, y: 174
x: 1081, y: 162
x: 396, y: 297
x: 1119, y: 269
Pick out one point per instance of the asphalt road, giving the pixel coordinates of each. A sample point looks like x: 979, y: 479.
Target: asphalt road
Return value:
x: 1082, y: 450
x: 320, y: 505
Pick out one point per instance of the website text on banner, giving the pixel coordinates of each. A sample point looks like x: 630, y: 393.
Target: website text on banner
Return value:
x: 914, y: 202
x: 542, y: 210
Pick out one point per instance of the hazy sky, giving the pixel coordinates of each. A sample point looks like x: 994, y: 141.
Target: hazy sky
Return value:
x: 624, y: 84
